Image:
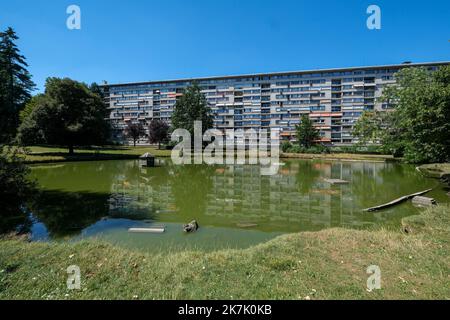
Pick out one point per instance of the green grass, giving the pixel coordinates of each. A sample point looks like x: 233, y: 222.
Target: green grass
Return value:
x: 329, y: 264
x: 435, y: 170
x: 340, y: 156
x: 54, y: 154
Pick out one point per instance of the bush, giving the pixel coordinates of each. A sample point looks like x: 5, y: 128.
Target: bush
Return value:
x: 345, y: 149
x: 355, y: 149
x: 286, y: 146
x: 318, y: 149
x: 296, y: 149
x: 170, y: 145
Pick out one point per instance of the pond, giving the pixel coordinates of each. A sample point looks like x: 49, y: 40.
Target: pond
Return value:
x: 235, y: 206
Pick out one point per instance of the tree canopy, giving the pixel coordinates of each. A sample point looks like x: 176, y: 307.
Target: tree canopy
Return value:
x: 68, y: 113
x: 191, y: 107
x: 417, y: 126
x: 158, y: 132
x: 134, y: 131
x: 306, y: 133
x: 15, y: 84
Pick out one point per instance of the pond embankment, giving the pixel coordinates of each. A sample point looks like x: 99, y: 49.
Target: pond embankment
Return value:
x: 436, y: 170
x: 340, y: 157
x: 330, y: 264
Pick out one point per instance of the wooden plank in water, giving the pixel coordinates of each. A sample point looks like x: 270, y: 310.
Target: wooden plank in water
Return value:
x: 336, y: 181
x: 396, y: 201
x: 246, y: 225
x: 147, y: 230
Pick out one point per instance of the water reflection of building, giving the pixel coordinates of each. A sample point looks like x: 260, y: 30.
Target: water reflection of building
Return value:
x: 139, y: 191
x: 242, y: 194
x: 297, y: 198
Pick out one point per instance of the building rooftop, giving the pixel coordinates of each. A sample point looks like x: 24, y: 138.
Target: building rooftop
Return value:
x: 406, y: 64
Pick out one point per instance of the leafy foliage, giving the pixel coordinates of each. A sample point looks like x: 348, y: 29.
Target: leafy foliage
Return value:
x: 192, y: 106
x: 134, y: 131
x: 369, y: 127
x: 286, y: 146
x: 418, y: 127
x: 315, y: 149
x: 95, y: 88
x: 30, y: 106
x: 307, y: 135
x: 67, y: 114
x: 158, y: 132
x: 15, y: 84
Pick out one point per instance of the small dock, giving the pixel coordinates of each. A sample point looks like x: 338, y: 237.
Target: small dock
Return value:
x: 147, y: 160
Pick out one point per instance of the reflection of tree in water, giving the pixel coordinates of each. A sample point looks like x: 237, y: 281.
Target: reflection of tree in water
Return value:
x: 14, y: 218
x: 15, y: 189
x: 67, y: 213
x: 13, y: 215
x: 137, y: 193
x: 190, y: 186
x: 307, y: 174
x: 369, y: 180
x: 382, y: 181
x: 128, y: 191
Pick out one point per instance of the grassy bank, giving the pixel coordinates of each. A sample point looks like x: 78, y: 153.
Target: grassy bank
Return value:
x: 340, y: 157
x: 435, y: 170
x: 53, y: 154
x: 329, y: 264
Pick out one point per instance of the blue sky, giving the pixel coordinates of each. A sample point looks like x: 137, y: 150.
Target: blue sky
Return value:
x: 127, y: 41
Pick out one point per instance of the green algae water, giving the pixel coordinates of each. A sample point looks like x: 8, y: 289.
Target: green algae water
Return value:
x: 234, y: 205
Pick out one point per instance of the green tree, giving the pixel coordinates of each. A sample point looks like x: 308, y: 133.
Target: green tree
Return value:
x: 95, y: 88
x: 306, y: 133
x: 134, y: 131
x: 67, y: 114
x: 369, y: 127
x: 418, y: 124
x: 30, y: 106
x: 158, y: 132
x: 15, y: 84
x: 191, y: 107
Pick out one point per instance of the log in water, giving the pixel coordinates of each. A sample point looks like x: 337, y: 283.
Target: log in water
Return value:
x: 396, y: 201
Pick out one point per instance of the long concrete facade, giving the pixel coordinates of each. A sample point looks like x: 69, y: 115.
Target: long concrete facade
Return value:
x: 334, y: 99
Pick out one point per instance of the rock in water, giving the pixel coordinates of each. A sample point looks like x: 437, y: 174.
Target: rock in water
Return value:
x: 423, y: 201
x: 191, y: 227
